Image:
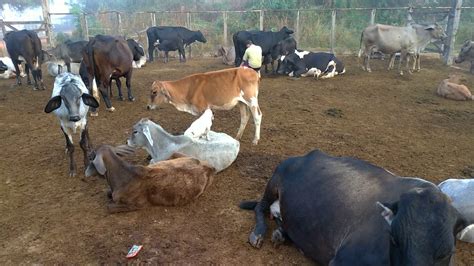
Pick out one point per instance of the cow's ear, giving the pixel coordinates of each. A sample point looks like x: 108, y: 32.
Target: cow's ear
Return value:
x: 146, y: 132
x: 430, y: 28
x: 99, y: 164
x: 90, y: 100
x: 388, y: 211
x: 53, y: 104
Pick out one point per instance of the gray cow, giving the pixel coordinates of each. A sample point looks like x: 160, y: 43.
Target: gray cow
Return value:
x: 466, y: 53
x: 409, y: 40
x: 220, y: 151
x: 70, y: 52
x: 345, y: 211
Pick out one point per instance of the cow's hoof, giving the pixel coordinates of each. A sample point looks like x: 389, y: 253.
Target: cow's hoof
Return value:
x: 29, y: 83
x: 35, y: 88
x: 132, y: 99
x: 277, y: 237
x: 109, y: 194
x: 95, y: 113
x: 120, y: 98
x: 255, y: 142
x: 255, y: 240
x: 111, y: 109
x: 72, y: 173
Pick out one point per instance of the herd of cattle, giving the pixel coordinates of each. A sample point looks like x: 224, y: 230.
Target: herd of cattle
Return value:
x: 337, y: 210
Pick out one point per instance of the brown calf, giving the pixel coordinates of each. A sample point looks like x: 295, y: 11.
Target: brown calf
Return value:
x: 451, y: 89
x: 169, y: 183
x: 221, y: 90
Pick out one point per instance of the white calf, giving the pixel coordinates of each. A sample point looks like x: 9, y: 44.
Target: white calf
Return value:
x: 200, y: 127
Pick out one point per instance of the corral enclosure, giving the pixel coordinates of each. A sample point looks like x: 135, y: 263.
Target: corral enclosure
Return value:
x: 394, y: 122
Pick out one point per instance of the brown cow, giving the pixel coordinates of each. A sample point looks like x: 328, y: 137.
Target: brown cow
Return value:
x: 221, y: 90
x: 451, y: 89
x: 108, y: 57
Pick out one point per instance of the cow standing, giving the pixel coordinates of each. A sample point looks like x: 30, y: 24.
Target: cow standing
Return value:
x: 466, y: 54
x: 25, y: 45
x: 408, y: 40
x: 70, y: 52
x: 265, y: 39
x: 106, y: 58
x: 157, y: 35
x: 345, y: 211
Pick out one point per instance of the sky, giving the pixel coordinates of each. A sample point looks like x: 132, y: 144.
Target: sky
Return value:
x: 33, y: 13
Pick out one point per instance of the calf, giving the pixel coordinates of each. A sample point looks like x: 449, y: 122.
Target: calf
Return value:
x: 228, y: 55
x: 105, y: 58
x: 10, y: 72
x: 304, y: 63
x: 173, y: 45
x: 220, y: 151
x: 466, y: 54
x: 221, y: 89
x: 25, y: 45
x: 70, y: 102
x: 450, y: 89
x: 201, y: 127
x: 461, y: 193
x: 169, y: 183
x: 345, y: 211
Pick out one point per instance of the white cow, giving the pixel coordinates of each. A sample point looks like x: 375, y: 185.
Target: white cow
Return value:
x: 461, y: 192
x: 10, y: 72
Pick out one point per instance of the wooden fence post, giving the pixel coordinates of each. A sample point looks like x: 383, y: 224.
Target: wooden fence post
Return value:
x: 224, y: 14
x: 333, y: 30
x: 119, y: 23
x: 153, y: 18
x: 85, y: 30
x: 298, y: 25
x: 47, y: 21
x: 261, y: 19
x: 188, y: 20
x: 372, y: 16
x: 4, y: 30
x: 453, y: 25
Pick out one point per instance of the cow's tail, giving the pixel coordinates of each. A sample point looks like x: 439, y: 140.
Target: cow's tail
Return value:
x: 248, y: 205
x: 38, y: 52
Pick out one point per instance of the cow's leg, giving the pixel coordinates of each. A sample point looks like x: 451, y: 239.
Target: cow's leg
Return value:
x: 27, y: 71
x: 418, y: 60
x: 151, y: 50
x: 17, y: 69
x: 70, y: 152
x: 392, y: 61
x: 68, y: 64
x: 119, y: 88
x: 257, y: 118
x: 189, y: 53
x: 85, y: 145
x: 403, y: 55
x: 128, y: 82
x: 367, y: 59
x: 244, y: 118
x: 104, y: 89
x: 166, y: 57
x: 182, y: 53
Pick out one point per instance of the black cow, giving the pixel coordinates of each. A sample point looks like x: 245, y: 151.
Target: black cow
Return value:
x: 106, y: 58
x: 267, y: 40
x: 159, y: 34
x: 466, y: 54
x: 26, y: 44
x: 3, y: 67
x: 137, y: 50
x: 330, y: 208
x: 173, y: 45
x: 304, y: 63
x: 284, y: 47
x: 70, y: 52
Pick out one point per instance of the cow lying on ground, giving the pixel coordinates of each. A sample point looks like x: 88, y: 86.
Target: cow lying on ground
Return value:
x: 220, y: 151
x: 284, y: 47
x: 173, y: 182
x: 69, y: 52
x: 451, y: 89
x: 24, y: 45
x: 466, y: 54
x: 221, y: 89
x: 70, y: 102
x: 265, y: 39
x: 106, y: 58
x: 10, y: 72
x: 304, y: 63
x: 159, y: 34
x: 345, y: 211
x: 461, y: 193
x: 3, y: 67
x: 409, y: 40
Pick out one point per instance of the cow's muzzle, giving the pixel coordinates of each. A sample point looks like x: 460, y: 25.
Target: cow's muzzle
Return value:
x: 74, y: 118
x: 458, y: 60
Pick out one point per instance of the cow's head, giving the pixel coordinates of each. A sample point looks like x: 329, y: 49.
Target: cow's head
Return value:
x: 465, y: 51
x: 141, y: 135
x: 137, y: 50
x: 436, y: 32
x: 71, y: 96
x: 288, y: 63
x: 200, y: 37
x: 158, y: 95
x: 3, y: 67
x: 99, y: 157
x: 423, y: 225
x: 286, y: 30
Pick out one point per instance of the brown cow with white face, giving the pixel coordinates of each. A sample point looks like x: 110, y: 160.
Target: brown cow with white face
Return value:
x: 221, y: 90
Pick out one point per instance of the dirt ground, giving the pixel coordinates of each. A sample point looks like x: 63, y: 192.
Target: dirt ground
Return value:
x: 47, y: 217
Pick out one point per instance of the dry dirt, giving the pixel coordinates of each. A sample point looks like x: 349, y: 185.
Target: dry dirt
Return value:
x: 47, y: 217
